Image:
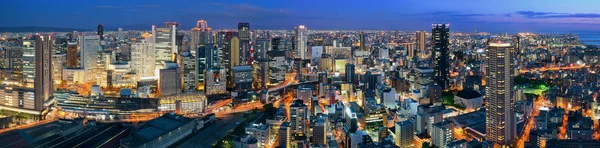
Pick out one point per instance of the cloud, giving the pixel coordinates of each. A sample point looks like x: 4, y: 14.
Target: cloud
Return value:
x: 534, y: 14
x: 108, y: 7
x: 248, y: 8
x: 150, y: 6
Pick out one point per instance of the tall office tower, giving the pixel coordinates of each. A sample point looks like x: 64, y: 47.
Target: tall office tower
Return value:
x: 370, y: 81
x: 442, y: 133
x: 73, y: 54
x: 169, y: 79
x: 261, y: 47
x: 298, y: 116
x: 101, y: 31
x: 301, y: 38
x: 164, y: 42
x: 404, y: 134
x: 244, y: 34
x: 420, y: 42
x: 234, y: 60
x: 37, y: 89
x: 120, y: 35
x: 244, y: 31
x: 43, y: 84
x: 201, y: 59
x: 410, y: 50
x: 350, y: 73
x: 499, y: 77
x: 284, y: 135
x: 58, y: 61
x: 201, y: 34
x: 276, y: 44
x: 320, y: 131
x: 90, y: 47
x: 363, y: 46
x: 212, y: 56
x: 215, y: 81
x: 142, y: 57
x: 189, y: 71
x: 440, y: 41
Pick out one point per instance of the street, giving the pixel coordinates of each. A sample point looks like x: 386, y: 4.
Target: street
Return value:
x: 212, y: 133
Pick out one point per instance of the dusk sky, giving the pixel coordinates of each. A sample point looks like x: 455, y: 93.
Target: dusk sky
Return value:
x: 463, y: 15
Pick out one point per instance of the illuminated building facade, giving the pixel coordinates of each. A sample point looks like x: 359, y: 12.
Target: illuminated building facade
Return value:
x: 499, y: 78
x: 299, y: 116
x: 440, y: 54
x: 233, y: 59
x: 170, y: 79
x: 164, y: 42
x: 420, y: 42
x: 33, y: 94
x: 301, y: 35
x: 216, y: 81
x: 244, y: 36
x: 90, y: 47
x: 72, y: 54
x: 142, y: 57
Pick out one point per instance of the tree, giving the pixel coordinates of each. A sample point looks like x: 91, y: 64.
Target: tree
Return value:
x: 269, y: 109
x: 447, y: 98
x: 425, y: 145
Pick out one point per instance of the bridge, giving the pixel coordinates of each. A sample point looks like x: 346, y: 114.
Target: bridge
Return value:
x: 277, y: 88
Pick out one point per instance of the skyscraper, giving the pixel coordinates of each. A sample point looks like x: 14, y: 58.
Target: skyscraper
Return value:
x: 200, y: 35
x: 301, y: 35
x: 350, y: 74
x: 244, y: 31
x: 420, y: 41
x: 440, y: 34
x: 120, y: 34
x: 299, y: 115
x: 164, y: 42
x: 442, y: 133
x: 201, y: 65
x: 142, y: 56
x: 284, y: 134
x: 234, y: 59
x: 212, y: 57
x: 101, y: 31
x: 169, y: 79
x: 363, y: 47
x: 90, y: 47
x: 404, y: 133
x: 499, y: 77
x: 244, y: 34
x: 320, y: 131
x: 43, y: 70
x: 73, y: 54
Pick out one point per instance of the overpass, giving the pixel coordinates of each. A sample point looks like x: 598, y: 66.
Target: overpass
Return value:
x: 290, y: 84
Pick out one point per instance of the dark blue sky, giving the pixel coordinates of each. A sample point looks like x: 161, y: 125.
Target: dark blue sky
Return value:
x: 463, y: 15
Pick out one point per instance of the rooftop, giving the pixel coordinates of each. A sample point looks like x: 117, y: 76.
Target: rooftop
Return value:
x: 158, y: 127
x: 468, y: 94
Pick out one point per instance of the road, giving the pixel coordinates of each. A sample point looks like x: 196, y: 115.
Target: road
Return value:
x: 214, y: 132
x: 553, y: 68
x: 530, y: 123
x: 289, y: 79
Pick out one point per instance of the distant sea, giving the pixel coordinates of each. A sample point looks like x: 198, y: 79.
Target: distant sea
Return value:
x: 589, y: 38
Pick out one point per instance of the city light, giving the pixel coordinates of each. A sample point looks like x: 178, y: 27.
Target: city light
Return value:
x: 263, y: 74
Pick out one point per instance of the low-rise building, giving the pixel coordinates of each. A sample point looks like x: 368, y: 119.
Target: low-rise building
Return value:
x: 262, y: 132
x: 160, y: 132
x: 469, y: 99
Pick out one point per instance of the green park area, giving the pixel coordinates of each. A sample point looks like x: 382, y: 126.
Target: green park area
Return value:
x: 535, y: 90
x: 532, y: 86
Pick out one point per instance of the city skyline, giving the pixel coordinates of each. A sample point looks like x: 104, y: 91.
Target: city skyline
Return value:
x: 300, y: 74
x: 464, y: 15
